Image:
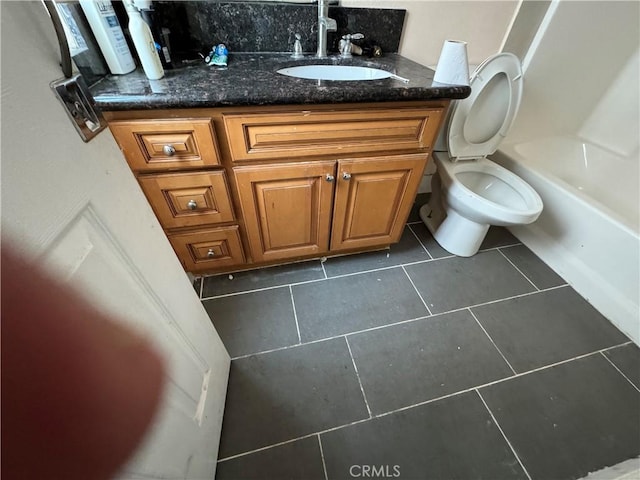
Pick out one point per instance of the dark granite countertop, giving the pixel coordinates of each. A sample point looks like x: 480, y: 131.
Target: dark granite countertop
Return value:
x: 251, y: 79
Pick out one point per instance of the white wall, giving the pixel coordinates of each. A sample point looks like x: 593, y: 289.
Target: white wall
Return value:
x: 483, y: 24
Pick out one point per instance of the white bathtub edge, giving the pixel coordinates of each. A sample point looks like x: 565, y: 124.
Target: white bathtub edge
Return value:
x: 597, y: 256
x: 587, y: 282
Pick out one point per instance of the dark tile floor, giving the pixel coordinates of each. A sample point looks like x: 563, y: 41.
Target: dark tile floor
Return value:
x: 412, y: 363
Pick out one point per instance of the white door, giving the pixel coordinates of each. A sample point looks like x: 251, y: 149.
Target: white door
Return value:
x: 77, y: 209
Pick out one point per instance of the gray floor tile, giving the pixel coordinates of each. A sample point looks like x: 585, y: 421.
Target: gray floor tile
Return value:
x: 289, y: 393
x: 568, y: 420
x: 255, y: 321
x: 355, y: 302
x: 299, y: 460
x: 405, y: 364
x: 421, y: 199
x: 454, y: 438
x: 627, y: 359
x: 434, y: 248
x: 262, y: 278
x: 530, y: 265
x: 498, y: 237
x: 546, y: 327
x: 456, y: 282
x: 407, y: 250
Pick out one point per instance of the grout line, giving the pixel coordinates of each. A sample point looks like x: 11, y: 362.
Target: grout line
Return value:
x: 500, y: 246
x: 304, y: 282
x: 379, y: 327
x: 323, y: 269
x: 364, y: 396
x: 401, y: 321
x: 416, y: 289
x: 419, y: 241
x: 620, y: 371
x: 521, y: 272
x: 432, y: 400
x: 503, y: 434
x: 224, y: 295
x: 494, y: 382
x: 295, y: 315
x: 494, y: 343
x: 201, y: 287
x: 324, y: 465
x: 291, y: 440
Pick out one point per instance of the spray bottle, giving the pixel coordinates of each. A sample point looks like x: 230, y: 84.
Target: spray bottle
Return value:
x: 143, y: 41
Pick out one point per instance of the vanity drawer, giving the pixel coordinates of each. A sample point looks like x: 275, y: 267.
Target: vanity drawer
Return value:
x: 264, y: 136
x: 189, y: 199
x: 167, y: 144
x: 208, y: 249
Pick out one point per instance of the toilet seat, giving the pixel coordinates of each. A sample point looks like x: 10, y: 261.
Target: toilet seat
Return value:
x: 481, y: 121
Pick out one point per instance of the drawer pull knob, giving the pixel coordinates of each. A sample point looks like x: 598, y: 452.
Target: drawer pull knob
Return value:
x: 169, y: 150
x: 192, y: 205
x: 329, y: 177
x: 211, y: 253
x: 346, y: 176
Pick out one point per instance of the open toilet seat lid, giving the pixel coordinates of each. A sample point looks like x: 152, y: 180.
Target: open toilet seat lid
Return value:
x: 480, y: 122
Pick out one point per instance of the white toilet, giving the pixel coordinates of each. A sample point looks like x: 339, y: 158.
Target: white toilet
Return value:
x: 469, y: 192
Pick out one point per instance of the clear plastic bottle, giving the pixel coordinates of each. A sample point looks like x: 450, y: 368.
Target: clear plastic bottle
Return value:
x: 143, y: 41
x: 108, y: 33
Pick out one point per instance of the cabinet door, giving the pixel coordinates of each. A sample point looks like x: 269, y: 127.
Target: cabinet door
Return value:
x: 373, y: 199
x: 286, y: 208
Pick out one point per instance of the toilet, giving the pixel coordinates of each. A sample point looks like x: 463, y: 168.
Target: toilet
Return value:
x: 469, y: 192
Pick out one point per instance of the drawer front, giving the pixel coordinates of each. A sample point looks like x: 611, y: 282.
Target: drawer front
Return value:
x: 208, y: 249
x: 305, y: 134
x: 188, y: 199
x: 167, y: 144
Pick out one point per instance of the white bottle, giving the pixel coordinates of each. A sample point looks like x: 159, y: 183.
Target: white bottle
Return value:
x: 143, y: 40
x: 108, y: 33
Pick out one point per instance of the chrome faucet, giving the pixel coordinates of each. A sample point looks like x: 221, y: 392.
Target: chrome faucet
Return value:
x: 325, y: 24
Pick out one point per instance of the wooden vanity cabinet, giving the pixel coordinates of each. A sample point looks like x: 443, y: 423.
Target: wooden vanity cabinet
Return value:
x: 239, y: 187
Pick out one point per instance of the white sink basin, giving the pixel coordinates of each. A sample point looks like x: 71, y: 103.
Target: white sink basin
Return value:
x: 335, y: 72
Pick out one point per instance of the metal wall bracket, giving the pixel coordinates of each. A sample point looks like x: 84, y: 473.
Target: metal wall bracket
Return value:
x: 80, y: 106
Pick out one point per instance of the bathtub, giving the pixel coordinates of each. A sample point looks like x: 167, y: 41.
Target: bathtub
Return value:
x: 588, y: 231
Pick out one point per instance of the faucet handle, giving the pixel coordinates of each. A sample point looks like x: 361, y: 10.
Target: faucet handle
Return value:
x: 353, y: 36
x: 297, y: 47
x: 347, y: 48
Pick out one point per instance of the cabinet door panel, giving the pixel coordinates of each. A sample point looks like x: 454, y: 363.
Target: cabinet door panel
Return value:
x: 373, y: 199
x: 287, y: 208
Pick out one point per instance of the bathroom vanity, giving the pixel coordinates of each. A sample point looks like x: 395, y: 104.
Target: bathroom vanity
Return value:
x: 245, y: 167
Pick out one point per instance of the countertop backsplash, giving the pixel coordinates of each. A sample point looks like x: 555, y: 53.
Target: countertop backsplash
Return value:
x: 270, y: 27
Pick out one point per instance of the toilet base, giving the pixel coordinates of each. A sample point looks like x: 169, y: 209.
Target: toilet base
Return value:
x: 455, y: 233
x: 459, y: 235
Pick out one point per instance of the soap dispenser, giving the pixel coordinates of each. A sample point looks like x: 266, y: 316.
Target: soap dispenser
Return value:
x: 143, y: 41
